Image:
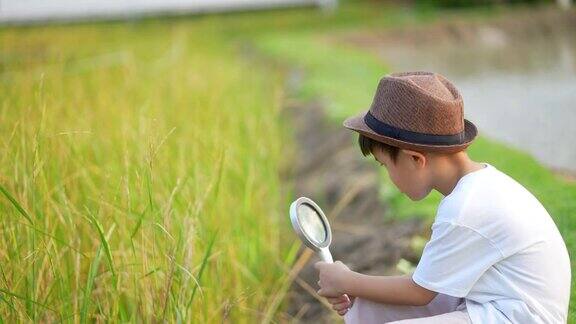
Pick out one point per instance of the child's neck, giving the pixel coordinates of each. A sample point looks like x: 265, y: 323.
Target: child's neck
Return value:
x: 449, y: 169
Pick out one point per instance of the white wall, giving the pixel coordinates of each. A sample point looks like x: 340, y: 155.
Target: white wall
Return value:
x: 22, y: 11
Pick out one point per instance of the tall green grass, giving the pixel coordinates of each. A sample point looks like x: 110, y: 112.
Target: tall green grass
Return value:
x: 139, y: 176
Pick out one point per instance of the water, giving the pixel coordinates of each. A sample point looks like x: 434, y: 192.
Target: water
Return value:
x: 521, y: 91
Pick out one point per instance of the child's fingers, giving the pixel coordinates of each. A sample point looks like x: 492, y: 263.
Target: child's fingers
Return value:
x: 339, y: 299
x: 324, y: 293
x: 333, y: 300
x: 318, y: 265
x: 347, y: 298
x: 341, y: 306
x: 343, y: 312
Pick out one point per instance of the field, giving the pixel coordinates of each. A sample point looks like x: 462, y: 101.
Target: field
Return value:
x: 140, y: 162
x: 136, y: 181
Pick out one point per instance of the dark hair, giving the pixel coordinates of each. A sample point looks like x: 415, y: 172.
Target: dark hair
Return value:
x: 367, y: 146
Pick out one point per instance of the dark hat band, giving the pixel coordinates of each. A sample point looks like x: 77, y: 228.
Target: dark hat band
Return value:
x: 409, y: 136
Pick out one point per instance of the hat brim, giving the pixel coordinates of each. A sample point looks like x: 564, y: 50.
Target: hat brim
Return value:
x: 356, y: 123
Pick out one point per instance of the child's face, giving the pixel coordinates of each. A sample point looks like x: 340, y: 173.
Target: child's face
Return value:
x: 409, y: 172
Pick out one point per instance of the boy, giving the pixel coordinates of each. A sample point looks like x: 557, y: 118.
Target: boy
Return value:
x: 495, y: 255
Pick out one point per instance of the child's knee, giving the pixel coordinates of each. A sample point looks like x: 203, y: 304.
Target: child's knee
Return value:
x: 366, y: 311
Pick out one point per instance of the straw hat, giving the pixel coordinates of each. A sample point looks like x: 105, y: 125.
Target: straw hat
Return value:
x: 421, y: 111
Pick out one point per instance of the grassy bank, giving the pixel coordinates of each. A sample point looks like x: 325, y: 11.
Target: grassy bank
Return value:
x: 135, y: 181
x: 345, y: 78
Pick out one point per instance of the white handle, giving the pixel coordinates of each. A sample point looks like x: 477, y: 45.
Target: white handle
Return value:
x: 325, y: 255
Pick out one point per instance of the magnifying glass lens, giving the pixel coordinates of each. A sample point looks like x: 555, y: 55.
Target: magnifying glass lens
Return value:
x: 312, y: 223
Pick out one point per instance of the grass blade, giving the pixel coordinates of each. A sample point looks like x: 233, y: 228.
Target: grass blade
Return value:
x: 55, y: 239
x: 202, y: 267
x: 15, y: 204
x: 4, y: 291
x: 90, y: 284
x: 137, y: 227
x: 104, y: 241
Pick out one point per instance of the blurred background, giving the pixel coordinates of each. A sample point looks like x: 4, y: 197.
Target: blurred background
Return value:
x: 149, y: 150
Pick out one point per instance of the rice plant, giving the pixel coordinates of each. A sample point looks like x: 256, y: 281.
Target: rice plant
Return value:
x: 138, y: 176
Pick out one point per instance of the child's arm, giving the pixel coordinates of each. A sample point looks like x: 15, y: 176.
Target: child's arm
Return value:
x: 336, y: 279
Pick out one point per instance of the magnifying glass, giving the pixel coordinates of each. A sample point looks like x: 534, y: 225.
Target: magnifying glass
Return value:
x: 312, y: 227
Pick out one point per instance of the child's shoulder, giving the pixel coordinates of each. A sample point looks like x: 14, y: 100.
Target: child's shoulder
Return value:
x: 484, y: 195
x: 464, y: 190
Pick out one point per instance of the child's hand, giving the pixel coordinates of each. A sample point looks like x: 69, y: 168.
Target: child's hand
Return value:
x: 341, y: 304
x: 333, y: 278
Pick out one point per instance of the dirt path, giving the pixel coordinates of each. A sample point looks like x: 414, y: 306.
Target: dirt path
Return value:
x: 330, y: 169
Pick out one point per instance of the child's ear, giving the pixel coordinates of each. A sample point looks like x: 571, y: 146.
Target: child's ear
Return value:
x: 418, y: 158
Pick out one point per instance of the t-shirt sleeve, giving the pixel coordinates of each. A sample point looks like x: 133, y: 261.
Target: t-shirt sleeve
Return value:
x: 454, y: 259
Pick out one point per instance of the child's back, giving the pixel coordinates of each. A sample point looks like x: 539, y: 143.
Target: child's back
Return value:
x: 508, y: 257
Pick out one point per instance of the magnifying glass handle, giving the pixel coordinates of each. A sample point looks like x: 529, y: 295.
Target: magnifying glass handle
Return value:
x: 326, y: 256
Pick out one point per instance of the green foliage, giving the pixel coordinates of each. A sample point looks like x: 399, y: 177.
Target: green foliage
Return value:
x: 452, y: 3
x: 124, y: 148
x: 473, y: 3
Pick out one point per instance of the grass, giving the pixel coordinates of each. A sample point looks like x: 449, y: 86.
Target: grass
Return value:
x: 135, y: 181
x: 345, y: 78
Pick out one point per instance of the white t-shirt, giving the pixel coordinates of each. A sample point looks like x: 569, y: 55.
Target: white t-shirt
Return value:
x: 494, y: 244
